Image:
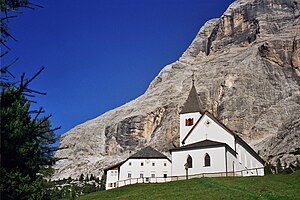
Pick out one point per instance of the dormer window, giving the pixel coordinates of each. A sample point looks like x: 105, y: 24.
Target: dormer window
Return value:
x: 189, y: 122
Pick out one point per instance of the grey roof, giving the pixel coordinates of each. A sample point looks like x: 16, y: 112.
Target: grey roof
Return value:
x: 201, y: 144
x: 193, y: 103
x: 148, y: 152
x: 117, y: 165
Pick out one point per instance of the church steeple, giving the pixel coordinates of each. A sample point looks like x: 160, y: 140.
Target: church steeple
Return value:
x: 193, y: 102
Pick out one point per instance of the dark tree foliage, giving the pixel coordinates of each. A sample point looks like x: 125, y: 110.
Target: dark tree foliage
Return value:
x: 26, y: 147
x: 278, y: 166
x: 11, y: 9
x: 27, y: 139
x: 81, y: 178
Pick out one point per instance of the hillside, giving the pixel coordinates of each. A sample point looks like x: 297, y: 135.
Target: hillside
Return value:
x: 247, y: 72
x: 285, y: 187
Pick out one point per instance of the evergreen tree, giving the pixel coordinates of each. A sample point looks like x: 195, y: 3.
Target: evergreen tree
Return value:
x: 27, y: 140
x: 81, y: 178
x: 278, y: 166
x: 92, y: 177
x: 26, y: 150
x: 87, y: 177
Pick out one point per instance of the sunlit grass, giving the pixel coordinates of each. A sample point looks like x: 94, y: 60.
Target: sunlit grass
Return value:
x: 275, y: 187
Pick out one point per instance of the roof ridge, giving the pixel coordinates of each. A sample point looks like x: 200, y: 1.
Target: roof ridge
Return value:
x: 148, y: 152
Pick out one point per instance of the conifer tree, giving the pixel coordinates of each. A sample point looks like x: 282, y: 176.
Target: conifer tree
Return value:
x: 27, y: 139
x: 81, y: 178
x: 26, y: 151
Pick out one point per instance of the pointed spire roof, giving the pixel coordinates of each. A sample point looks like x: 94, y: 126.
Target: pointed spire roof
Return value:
x: 193, y: 102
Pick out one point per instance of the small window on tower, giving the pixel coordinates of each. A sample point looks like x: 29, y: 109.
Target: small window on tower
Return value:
x: 189, y: 122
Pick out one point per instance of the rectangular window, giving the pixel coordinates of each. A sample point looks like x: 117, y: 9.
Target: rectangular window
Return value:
x: 141, y: 175
x: 165, y: 164
x: 115, y: 184
x: 153, y: 164
x: 147, y: 179
x: 153, y: 175
x: 165, y: 175
x: 142, y: 163
x: 129, y: 175
x: 189, y: 122
x: 129, y: 163
x: 110, y: 184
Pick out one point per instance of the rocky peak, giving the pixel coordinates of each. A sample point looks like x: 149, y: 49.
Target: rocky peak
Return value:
x: 246, y: 66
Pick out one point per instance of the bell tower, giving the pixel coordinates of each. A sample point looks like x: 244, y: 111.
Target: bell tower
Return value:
x: 190, y: 112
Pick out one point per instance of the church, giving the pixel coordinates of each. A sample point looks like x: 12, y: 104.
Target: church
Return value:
x: 207, y: 148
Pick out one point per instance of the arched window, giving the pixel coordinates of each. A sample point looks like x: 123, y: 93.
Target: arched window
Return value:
x: 189, y: 161
x: 189, y: 122
x: 206, y: 160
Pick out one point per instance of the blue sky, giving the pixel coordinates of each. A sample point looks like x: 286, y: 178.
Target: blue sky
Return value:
x: 100, y: 54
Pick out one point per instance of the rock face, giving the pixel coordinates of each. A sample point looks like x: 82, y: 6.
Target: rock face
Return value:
x: 247, y: 73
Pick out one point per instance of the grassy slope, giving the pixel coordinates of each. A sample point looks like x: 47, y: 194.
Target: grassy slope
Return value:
x: 268, y: 187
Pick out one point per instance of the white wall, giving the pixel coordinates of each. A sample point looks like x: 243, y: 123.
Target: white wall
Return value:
x: 147, y: 169
x: 231, y: 162
x: 184, y: 130
x: 246, y: 162
x: 217, y: 156
x: 112, y: 177
x: 211, y: 132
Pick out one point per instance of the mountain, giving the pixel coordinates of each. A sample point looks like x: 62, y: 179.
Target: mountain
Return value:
x: 246, y: 66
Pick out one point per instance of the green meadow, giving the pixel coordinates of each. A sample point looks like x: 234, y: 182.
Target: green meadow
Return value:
x: 284, y: 186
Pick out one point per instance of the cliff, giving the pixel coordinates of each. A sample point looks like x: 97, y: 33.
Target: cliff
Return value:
x: 247, y: 72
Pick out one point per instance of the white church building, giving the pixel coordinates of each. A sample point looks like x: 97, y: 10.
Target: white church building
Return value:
x: 207, y: 148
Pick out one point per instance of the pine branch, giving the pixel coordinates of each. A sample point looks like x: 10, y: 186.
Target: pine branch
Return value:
x: 36, y: 5
x: 1, y: 41
x: 29, y: 95
x: 6, y: 52
x: 7, y: 17
x: 48, y: 131
x: 28, y: 81
x: 33, y: 91
x: 38, y: 113
x: 43, y: 121
x: 5, y: 69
